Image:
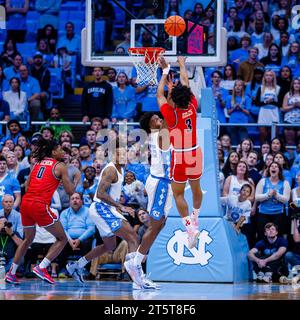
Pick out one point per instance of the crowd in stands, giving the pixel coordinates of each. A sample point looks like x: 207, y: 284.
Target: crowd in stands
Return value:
x: 259, y: 177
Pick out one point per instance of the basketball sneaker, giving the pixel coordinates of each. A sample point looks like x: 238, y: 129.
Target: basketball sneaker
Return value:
x: 285, y: 280
x: 43, y: 274
x: 267, y: 277
x: 135, y: 272
x: 147, y: 284
x: 75, y: 271
x: 260, y: 276
x: 11, y: 278
x: 296, y: 279
x: 193, y: 234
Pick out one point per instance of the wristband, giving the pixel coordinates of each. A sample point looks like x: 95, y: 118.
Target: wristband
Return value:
x: 166, y: 70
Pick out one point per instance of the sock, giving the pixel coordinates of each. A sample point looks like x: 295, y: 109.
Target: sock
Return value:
x: 195, y: 213
x: 187, y: 221
x: 138, y: 258
x: 82, y: 262
x: 45, y: 263
x: 130, y: 255
x: 14, y: 268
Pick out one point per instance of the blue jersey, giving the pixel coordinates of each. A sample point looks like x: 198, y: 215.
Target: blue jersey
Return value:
x: 8, y: 185
x: 87, y: 194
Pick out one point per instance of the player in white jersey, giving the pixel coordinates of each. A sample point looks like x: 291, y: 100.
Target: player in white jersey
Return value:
x: 158, y: 188
x: 106, y: 213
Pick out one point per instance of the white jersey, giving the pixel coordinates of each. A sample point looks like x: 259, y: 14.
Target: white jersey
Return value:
x: 235, y: 186
x: 236, y: 209
x: 160, y: 159
x: 115, y: 188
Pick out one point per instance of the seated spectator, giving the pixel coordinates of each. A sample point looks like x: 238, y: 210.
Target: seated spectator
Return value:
x: 14, y: 70
x: 13, y: 166
x: 17, y: 100
x: 292, y: 59
x: 220, y: 95
x: 89, y: 186
x: 244, y: 148
x: 134, y: 191
x: 284, y: 44
x: 280, y: 25
x: 273, y: 193
x: 268, y: 160
x: 246, y: 68
x: 282, y: 160
x: 48, y: 33
x: 238, y: 109
x: 14, y: 133
x: 263, y: 48
x: 42, y: 49
x: 70, y: 40
x: 258, y: 32
x: 240, y: 55
x: 40, y: 72
x: 20, y: 155
x: 267, y: 256
x: 98, y: 164
x: 252, y: 161
x: 63, y: 60
x: 173, y: 10
x: 90, y: 139
x: 32, y: 88
x: 66, y: 136
x: 238, y: 211
x: 47, y: 133
x: 11, y: 230
x: 10, y: 144
x: 273, y: 60
x: 229, y: 76
x: 124, y: 104
x: 85, y: 155
x: 23, y: 142
x: 225, y: 141
x: 9, y: 52
x: 231, y: 17
x: 79, y: 229
x: 112, y: 77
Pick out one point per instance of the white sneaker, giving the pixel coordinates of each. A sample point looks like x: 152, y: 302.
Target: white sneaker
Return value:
x: 193, y: 235
x: 285, y: 280
x: 268, y: 277
x: 147, y: 284
x: 295, y: 280
x: 260, y: 276
x: 75, y: 271
x: 135, y: 272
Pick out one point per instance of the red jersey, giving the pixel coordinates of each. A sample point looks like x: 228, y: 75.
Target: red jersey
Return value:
x: 182, y: 125
x: 43, y: 181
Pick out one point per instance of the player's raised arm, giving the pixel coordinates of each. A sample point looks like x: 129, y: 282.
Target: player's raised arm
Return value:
x: 161, y: 99
x: 184, y: 78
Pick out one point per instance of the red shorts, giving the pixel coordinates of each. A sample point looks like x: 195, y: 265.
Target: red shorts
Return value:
x: 36, y: 212
x: 186, y: 165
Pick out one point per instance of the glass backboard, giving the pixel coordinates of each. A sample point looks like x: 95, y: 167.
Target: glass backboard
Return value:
x: 111, y: 30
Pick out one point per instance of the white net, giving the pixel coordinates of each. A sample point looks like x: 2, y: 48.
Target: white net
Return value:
x: 145, y: 61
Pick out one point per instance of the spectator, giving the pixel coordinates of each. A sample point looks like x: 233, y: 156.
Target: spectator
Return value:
x: 238, y: 109
x: 9, y: 185
x: 252, y: 161
x: 74, y: 176
x: 95, y: 94
x: 79, y: 229
x: 85, y: 156
x: 75, y: 162
x: 219, y: 94
x: 231, y: 164
x: 225, y: 141
x: 24, y: 174
x: 140, y: 170
x: 231, y: 17
x: 292, y: 59
x: 14, y: 129
x: 144, y: 220
x: 10, y: 144
x: 47, y: 133
x: 4, y: 112
x: 281, y: 25
x: 267, y: 100
x: 241, y: 54
x: 234, y: 183
x: 126, y: 43
x: 244, y: 147
x: 173, y: 10
x: 89, y: 186
x: 246, y: 68
x: 63, y: 60
x: 284, y: 44
x: 238, y: 211
x: 48, y: 11
x: 16, y: 12
x: 263, y: 48
x: 13, y: 71
x: 32, y: 88
x: 42, y: 49
x: 11, y: 236
x: 124, y: 104
x: 229, y: 76
x: 4, y: 86
x: 70, y: 40
x: 283, y: 162
x: 17, y: 100
x: 238, y: 30
x: 13, y: 166
x: 90, y: 139
x: 269, y: 159
x: 40, y: 72
x: 19, y: 153
x: 98, y: 164
x: 273, y: 192
x: 291, y: 109
x: 9, y: 52
x: 97, y: 124
x: 265, y: 149
x: 267, y: 255
x: 56, y: 116
x: 273, y: 60
x: 284, y: 80
x: 112, y: 77
x: 48, y: 33
x: 65, y: 136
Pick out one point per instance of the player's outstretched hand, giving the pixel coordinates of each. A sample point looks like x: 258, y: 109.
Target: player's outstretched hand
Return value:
x: 162, y: 62
x: 181, y: 60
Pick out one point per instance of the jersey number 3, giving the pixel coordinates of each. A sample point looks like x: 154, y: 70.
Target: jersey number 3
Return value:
x: 40, y: 172
x: 188, y: 123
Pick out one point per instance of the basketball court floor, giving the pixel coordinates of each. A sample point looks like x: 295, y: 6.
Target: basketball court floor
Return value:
x: 34, y: 289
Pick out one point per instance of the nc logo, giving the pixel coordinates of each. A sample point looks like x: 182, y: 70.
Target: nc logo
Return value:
x: 200, y: 256
x: 155, y: 213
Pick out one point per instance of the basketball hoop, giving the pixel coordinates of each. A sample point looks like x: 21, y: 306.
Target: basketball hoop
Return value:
x: 145, y: 60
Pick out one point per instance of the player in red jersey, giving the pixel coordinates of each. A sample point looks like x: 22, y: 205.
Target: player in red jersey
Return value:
x: 35, y: 207
x: 180, y: 113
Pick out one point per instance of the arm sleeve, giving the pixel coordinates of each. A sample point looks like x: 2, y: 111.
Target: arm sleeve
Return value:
x: 15, y: 186
x: 285, y: 197
x: 169, y: 114
x: 259, y: 195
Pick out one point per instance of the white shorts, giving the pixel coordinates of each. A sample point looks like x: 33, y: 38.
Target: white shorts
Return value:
x: 106, y: 218
x: 159, y: 197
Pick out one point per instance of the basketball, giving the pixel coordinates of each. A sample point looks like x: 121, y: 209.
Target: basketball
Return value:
x: 175, y: 26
